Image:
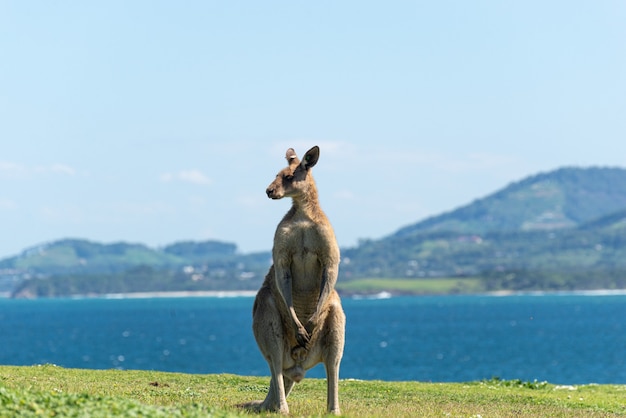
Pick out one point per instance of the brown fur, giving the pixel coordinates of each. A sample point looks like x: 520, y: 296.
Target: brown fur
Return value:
x: 298, y: 320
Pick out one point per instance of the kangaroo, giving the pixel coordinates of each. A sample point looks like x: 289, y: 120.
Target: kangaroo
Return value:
x: 298, y: 320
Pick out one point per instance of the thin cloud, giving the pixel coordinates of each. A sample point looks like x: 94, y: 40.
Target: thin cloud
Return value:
x: 62, y: 169
x: 448, y: 162
x: 140, y: 209
x: 10, y: 169
x: 187, y: 176
x: 7, y: 204
x: 344, y: 194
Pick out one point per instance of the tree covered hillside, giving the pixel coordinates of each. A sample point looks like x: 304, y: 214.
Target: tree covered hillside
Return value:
x: 560, y: 230
x: 565, y: 198
x: 74, y: 266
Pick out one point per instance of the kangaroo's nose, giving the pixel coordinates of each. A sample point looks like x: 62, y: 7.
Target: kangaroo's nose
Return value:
x: 269, y: 192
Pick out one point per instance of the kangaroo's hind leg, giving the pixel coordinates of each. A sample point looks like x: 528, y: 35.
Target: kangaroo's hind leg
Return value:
x: 276, y: 399
x: 269, y: 334
x: 333, y: 343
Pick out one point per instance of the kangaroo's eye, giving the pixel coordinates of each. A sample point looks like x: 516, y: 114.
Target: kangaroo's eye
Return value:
x: 288, y: 177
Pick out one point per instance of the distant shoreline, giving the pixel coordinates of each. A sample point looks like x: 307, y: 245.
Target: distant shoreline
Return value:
x: 356, y: 295
x: 594, y: 292
x: 174, y: 294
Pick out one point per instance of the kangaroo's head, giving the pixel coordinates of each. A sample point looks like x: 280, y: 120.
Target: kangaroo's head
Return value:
x: 294, y: 180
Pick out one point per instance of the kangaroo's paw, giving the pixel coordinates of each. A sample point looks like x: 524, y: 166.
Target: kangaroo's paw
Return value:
x: 299, y: 354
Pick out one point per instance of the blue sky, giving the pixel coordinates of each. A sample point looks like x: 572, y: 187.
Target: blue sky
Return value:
x: 155, y: 122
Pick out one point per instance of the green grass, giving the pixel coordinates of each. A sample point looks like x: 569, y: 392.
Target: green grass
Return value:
x: 50, y: 391
x: 412, y: 286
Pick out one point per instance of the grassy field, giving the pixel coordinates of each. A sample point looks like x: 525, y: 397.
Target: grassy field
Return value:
x: 438, y: 286
x: 46, y: 391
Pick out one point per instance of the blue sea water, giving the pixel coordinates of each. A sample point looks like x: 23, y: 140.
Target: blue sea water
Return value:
x: 566, y: 339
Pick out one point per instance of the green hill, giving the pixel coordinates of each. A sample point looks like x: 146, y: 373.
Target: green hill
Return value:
x: 74, y: 266
x: 561, y: 230
x: 82, y: 256
x: 75, y: 255
x: 614, y: 221
x: 564, y: 198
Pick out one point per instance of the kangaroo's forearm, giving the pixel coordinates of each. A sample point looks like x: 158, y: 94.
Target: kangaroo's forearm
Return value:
x: 284, y: 285
x: 329, y: 278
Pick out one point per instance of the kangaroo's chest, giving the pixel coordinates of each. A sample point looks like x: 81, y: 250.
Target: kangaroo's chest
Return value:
x: 304, y: 245
x: 302, y: 238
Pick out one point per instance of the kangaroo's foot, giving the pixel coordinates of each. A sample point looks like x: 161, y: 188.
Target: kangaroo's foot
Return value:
x: 261, y: 406
x: 252, y: 406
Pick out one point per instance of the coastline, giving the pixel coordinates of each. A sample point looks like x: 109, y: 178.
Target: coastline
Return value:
x: 174, y: 294
x: 375, y: 295
x: 594, y: 292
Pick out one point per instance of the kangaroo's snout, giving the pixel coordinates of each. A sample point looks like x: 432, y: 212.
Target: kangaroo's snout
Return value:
x: 271, y: 193
x: 276, y: 189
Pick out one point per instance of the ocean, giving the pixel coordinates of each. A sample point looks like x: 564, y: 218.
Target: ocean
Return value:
x: 559, y: 338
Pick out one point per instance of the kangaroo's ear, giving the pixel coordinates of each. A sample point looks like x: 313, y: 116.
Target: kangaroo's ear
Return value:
x: 291, y: 157
x: 311, y: 157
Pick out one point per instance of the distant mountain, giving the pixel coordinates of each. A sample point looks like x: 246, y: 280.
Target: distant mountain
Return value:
x: 560, y: 230
x: 76, y: 266
x: 199, y: 252
x: 613, y: 221
x: 565, y: 198
x: 78, y: 255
